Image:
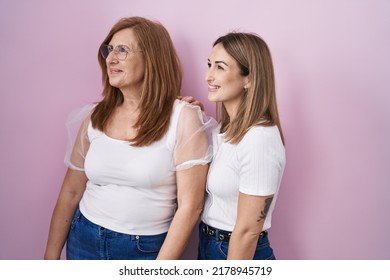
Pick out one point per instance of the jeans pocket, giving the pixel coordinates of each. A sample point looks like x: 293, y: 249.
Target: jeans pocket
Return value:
x: 223, y: 249
x: 264, y: 251
x: 76, y: 218
x: 150, y: 243
x: 263, y: 245
x: 272, y: 257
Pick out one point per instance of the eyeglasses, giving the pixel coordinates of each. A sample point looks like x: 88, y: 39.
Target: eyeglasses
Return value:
x: 120, y: 51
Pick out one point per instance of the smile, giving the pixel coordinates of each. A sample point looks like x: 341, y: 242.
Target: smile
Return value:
x: 114, y: 71
x: 214, y: 87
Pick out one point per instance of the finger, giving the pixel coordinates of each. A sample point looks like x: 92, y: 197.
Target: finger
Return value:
x: 188, y: 99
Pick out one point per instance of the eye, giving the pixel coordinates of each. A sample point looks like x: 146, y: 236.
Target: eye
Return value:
x: 123, y: 50
x: 109, y: 48
x: 220, y: 67
x: 209, y: 65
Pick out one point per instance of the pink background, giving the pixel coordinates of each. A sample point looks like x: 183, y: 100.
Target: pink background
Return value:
x: 332, y: 65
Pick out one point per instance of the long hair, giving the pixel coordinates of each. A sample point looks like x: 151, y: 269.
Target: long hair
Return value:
x: 258, y: 106
x: 161, y: 84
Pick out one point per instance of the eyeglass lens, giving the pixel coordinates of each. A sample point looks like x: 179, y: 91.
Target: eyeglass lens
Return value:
x: 119, y: 51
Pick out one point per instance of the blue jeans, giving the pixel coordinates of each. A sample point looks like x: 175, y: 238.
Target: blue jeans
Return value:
x: 88, y: 241
x: 212, y: 248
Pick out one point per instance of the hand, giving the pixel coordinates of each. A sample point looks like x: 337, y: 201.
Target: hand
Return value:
x: 191, y: 100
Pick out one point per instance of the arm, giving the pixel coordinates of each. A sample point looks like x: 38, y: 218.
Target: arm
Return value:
x: 71, y: 192
x: 190, y: 191
x: 191, y: 156
x: 69, y: 197
x: 261, y: 157
x: 251, y: 213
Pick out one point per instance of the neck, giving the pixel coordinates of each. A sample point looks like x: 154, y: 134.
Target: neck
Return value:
x: 231, y: 109
x: 131, y: 99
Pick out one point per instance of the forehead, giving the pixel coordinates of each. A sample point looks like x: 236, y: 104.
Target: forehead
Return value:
x: 124, y: 37
x: 218, y: 53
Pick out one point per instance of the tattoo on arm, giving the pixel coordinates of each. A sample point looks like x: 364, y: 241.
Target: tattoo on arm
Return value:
x: 264, y: 212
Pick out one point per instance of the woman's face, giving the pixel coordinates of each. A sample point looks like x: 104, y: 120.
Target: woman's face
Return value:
x: 127, y: 74
x: 225, y: 84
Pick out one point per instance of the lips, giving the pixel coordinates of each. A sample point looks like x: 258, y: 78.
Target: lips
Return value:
x: 114, y: 71
x: 214, y: 87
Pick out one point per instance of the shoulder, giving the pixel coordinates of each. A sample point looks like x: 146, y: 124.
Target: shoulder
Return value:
x: 262, y: 145
x: 259, y: 133
x: 78, y: 121
x: 189, y: 120
x: 81, y: 115
x: 261, y: 138
x: 186, y: 108
x: 186, y: 113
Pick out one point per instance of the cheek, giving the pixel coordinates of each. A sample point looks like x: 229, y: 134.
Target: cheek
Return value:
x: 234, y: 85
x: 136, y: 70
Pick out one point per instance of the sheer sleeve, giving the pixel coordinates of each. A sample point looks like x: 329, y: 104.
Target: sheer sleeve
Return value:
x: 78, y: 141
x: 193, y: 138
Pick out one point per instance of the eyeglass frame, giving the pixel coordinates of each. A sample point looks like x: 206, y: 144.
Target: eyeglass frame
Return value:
x: 109, y: 49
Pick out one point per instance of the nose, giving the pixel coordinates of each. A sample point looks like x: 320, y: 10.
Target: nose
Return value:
x: 111, y: 58
x: 209, y: 75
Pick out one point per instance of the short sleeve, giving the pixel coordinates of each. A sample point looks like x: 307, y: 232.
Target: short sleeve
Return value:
x: 78, y: 141
x: 193, y: 138
x: 261, y: 157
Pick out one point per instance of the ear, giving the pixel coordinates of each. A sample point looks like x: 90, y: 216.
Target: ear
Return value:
x: 247, y: 83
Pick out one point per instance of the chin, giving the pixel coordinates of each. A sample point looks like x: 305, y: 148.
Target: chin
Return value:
x: 213, y: 98
x: 114, y: 84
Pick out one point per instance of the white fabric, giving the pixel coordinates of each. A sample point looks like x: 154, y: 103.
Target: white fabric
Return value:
x: 133, y: 189
x: 254, y: 166
x: 78, y: 142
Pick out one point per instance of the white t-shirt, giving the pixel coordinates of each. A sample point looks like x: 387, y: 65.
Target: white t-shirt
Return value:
x: 132, y: 190
x: 254, y: 166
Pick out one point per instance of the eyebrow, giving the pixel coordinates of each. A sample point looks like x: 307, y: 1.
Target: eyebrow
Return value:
x: 122, y: 45
x: 219, y: 61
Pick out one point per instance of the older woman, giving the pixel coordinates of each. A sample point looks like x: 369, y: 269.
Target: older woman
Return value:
x: 137, y: 170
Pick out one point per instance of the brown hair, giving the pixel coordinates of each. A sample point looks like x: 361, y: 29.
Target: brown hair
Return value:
x: 258, y: 106
x: 161, y: 85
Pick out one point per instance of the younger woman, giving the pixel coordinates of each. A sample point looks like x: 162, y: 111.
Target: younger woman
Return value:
x: 249, y: 156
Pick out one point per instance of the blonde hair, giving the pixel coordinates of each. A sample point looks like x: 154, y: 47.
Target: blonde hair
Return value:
x: 161, y: 85
x: 258, y: 106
